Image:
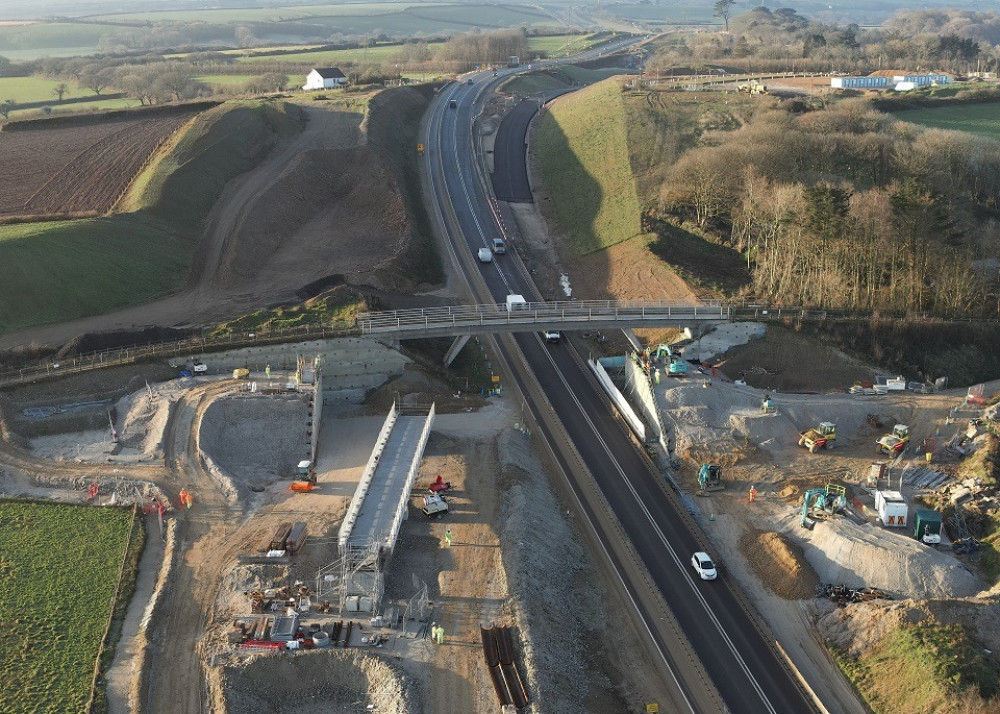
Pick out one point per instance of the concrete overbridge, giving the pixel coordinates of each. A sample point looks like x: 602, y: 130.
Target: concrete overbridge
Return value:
x: 491, y: 318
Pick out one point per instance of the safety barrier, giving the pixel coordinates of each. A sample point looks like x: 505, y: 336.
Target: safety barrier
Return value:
x: 366, y: 480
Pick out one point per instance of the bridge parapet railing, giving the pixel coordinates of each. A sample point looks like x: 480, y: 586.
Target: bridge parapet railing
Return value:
x: 535, y: 312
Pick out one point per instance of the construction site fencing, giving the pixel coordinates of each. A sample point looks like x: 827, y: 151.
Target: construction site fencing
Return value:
x: 164, y: 350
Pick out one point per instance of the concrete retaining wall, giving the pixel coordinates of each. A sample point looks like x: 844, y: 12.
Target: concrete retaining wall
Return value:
x: 348, y: 362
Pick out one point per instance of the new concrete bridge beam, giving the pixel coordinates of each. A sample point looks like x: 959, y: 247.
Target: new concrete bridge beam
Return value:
x: 455, y: 348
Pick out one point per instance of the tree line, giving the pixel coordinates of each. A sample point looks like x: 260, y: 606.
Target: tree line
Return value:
x: 153, y: 79
x: 762, y: 39
x: 846, y: 207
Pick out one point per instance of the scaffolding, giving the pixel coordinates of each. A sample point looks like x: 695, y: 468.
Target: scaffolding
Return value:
x: 355, y: 582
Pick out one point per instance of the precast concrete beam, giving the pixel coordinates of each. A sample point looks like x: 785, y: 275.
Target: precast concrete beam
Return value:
x: 455, y: 348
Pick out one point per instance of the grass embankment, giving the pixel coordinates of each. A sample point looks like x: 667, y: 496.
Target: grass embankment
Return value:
x: 585, y: 167
x: 326, y: 310
x: 604, y: 155
x: 925, y: 668
x: 555, y: 78
x: 50, y: 272
x: 58, y: 572
x: 982, y: 119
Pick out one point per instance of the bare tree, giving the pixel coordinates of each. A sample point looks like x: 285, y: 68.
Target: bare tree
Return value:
x: 6, y: 107
x: 178, y: 80
x: 60, y: 90
x: 723, y: 8
x: 96, y: 78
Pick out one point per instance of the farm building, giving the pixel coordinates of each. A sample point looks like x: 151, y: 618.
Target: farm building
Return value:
x: 859, y: 82
x: 923, y: 80
x: 326, y: 78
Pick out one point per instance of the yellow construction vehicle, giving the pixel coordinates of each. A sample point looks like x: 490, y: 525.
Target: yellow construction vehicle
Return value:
x: 822, y: 437
x: 752, y: 87
x: 895, y: 442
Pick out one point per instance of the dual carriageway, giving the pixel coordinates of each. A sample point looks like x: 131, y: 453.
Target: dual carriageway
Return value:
x: 714, y: 651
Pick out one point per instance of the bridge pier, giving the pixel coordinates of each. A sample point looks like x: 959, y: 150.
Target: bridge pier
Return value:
x: 455, y: 348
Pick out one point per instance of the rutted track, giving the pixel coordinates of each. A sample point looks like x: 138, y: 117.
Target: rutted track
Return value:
x: 176, y: 659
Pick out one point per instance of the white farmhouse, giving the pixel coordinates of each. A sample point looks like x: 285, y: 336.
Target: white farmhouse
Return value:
x: 326, y: 78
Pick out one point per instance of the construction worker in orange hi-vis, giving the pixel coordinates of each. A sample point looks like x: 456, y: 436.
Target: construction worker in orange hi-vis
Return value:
x: 753, y: 493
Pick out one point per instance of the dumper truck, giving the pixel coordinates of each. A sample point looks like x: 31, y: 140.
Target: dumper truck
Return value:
x: 435, y: 505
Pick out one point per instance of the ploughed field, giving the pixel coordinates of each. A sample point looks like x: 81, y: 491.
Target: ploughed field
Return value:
x: 76, y: 170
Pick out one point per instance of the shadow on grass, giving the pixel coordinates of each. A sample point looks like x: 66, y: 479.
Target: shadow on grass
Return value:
x: 697, y: 260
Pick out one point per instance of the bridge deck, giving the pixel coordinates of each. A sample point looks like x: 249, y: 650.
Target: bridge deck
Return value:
x: 388, y: 486
x: 539, y: 314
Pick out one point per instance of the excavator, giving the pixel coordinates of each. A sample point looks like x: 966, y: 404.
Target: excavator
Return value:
x: 822, y: 437
x: 676, y: 366
x: 710, y: 478
x: 822, y: 503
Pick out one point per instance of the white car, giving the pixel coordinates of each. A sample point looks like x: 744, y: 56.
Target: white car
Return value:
x: 200, y: 367
x: 485, y: 255
x: 704, y: 566
x: 552, y: 336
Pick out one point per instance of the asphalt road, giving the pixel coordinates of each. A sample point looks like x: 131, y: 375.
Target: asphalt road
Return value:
x: 510, y: 171
x: 740, y: 660
x: 510, y: 166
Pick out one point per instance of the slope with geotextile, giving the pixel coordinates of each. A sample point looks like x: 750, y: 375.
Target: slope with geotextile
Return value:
x: 584, y: 164
x: 50, y: 272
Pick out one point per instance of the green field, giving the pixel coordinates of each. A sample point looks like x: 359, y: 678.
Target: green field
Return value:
x: 584, y: 157
x: 51, y: 272
x: 98, y: 105
x: 228, y: 81
x: 275, y: 14
x: 57, y: 39
x: 86, y: 266
x: 25, y: 90
x: 331, y: 58
x: 38, y: 89
x: 982, y: 119
x: 563, y: 45
x: 58, y: 570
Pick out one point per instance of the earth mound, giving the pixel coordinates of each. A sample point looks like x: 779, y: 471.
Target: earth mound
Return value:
x: 780, y: 564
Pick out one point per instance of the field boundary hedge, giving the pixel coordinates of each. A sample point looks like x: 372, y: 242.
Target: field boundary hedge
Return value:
x: 103, y: 117
x: 126, y: 551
